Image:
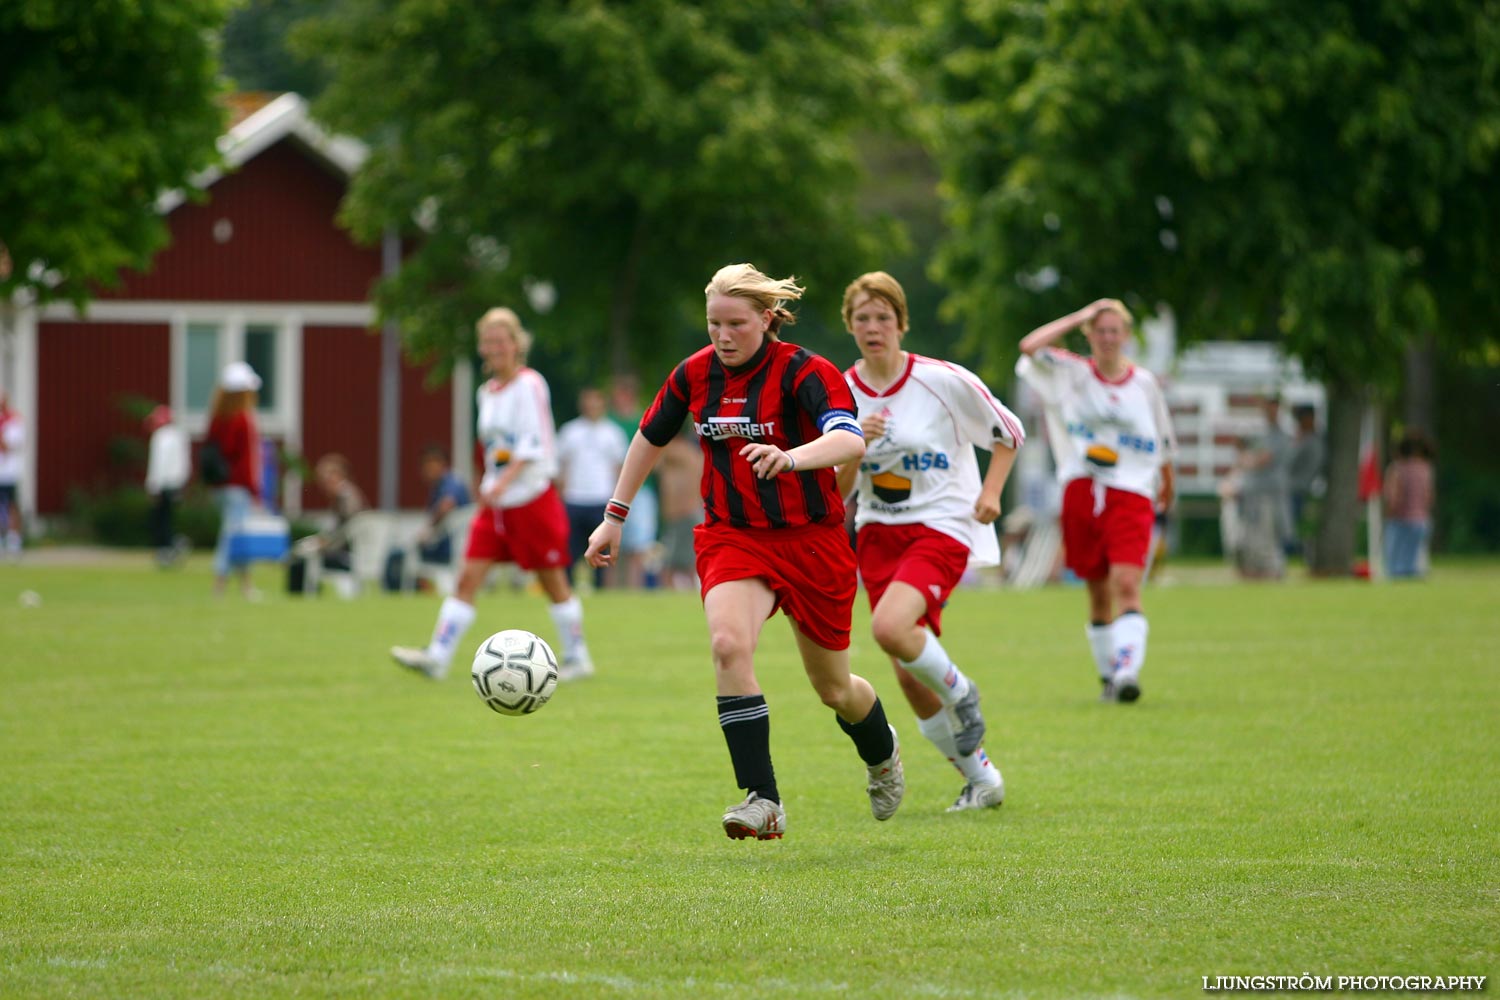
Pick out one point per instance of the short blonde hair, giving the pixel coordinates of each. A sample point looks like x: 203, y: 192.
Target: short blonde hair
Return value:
x: 876, y: 284
x: 507, y: 319
x: 745, y: 281
x: 1112, y: 305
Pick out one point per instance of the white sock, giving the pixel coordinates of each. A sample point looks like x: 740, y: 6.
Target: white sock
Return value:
x: 1130, y: 644
x: 976, y: 767
x: 454, y: 619
x: 568, y: 617
x: 1102, y: 642
x: 933, y: 668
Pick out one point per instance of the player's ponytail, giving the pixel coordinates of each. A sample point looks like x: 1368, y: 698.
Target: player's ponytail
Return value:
x: 745, y: 281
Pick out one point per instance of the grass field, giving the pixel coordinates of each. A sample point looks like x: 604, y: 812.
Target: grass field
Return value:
x: 210, y: 798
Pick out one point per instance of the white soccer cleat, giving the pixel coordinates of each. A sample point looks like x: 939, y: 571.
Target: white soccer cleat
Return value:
x: 575, y: 668
x: 887, y: 782
x: 755, y: 817
x: 419, y: 661
x: 977, y: 796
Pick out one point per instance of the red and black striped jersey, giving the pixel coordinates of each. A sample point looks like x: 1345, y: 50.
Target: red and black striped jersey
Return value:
x: 786, y: 396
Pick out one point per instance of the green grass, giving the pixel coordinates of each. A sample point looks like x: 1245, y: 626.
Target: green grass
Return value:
x: 205, y: 798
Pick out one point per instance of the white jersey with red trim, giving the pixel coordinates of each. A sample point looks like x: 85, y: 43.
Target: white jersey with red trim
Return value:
x: 515, y: 425
x: 1115, y: 432
x: 923, y: 470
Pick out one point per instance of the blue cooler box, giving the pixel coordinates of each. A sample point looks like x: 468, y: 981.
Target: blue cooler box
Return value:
x: 263, y: 537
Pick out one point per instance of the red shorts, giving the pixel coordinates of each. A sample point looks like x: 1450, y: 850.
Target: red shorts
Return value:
x: 1118, y: 535
x: 533, y: 535
x: 810, y: 569
x: 917, y: 555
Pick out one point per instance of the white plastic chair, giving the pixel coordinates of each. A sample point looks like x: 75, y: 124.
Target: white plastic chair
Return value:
x: 369, y: 534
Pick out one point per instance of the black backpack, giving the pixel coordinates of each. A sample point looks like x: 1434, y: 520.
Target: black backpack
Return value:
x: 213, y: 467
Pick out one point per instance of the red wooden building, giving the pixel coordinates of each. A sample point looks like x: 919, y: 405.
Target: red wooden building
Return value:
x: 257, y: 271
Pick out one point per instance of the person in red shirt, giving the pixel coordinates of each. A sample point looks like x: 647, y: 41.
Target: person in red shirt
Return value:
x: 232, y: 430
x: 772, y: 419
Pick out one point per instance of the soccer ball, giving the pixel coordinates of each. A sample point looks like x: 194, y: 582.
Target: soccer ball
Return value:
x: 515, y: 672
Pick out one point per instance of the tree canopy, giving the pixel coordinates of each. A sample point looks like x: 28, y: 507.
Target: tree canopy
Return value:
x: 605, y: 156
x: 1322, y: 175
x: 103, y: 106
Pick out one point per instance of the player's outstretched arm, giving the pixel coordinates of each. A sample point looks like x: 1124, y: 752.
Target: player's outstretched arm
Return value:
x: 640, y: 459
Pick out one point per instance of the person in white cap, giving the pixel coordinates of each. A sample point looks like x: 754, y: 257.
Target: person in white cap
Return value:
x: 230, y: 463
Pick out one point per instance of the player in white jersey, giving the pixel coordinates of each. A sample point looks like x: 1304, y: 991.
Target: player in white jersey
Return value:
x: 924, y: 515
x: 521, y: 518
x: 1112, y: 435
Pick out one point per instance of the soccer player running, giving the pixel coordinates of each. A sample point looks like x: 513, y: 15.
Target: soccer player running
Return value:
x: 773, y: 420
x: 521, y: 518
x: 1112, y: 435
x: 924, y: 514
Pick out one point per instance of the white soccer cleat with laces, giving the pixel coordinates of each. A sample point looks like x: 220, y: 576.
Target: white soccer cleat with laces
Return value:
x: 419, y: 661
x: 887, y: 782
x: 977, y: 796
x: 755, y: 817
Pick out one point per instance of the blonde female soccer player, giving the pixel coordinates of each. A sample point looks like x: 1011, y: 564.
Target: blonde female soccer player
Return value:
x: 1115, y: 463
x: 521, y: 518
x: 773, y: 420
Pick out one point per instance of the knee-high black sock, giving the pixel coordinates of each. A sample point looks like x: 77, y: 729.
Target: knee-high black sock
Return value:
x: 871, y: 735
x: 746, y: 721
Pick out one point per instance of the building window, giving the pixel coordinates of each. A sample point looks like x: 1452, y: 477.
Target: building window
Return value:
x: 207, y: 342
x: 202, y: 364
x: 260, y: 352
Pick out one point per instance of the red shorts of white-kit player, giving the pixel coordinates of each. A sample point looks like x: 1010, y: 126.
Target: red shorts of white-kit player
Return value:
x: 1104, y: 527
x: 810, y: 569
x: 916, y: 555
x: 533, y: 535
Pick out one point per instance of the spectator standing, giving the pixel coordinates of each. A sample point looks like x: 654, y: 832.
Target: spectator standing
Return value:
x: 1304, y: 466
x: 1264, y: 498
x: 12, y: 461
x: 169, y: 465
x: 1115, y: 450
x: 233, y: 432
x: 590, y: 448
x: 1409, y: 495
x: 679, y: 475
x: 640, y: 532
x: 521, y: 518
x: 774, y: 420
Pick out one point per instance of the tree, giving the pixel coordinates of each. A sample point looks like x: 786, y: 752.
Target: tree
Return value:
x: 1319, y: 174
x: 602, y: 159
x: 256, y: 56
x: 103, y: 107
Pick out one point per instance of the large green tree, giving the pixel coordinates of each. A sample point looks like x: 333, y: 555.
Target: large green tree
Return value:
x: 104, y: 105
x: 1319, y: 174
x: 613, y: 153
x: 255, y: 47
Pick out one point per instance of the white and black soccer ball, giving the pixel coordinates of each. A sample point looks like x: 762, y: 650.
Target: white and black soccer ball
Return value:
x: 515, y: 672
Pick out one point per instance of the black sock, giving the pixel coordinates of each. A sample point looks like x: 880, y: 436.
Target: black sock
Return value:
x: 871, y: 736
x: 746, y: 721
